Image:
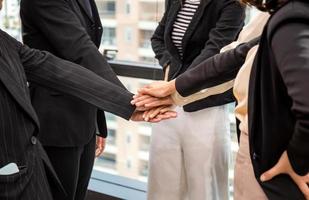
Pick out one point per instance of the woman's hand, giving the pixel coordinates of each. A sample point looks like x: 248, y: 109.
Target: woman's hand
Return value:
x: 146, y: 102
x: 284, y: 167
x: 158, y: 89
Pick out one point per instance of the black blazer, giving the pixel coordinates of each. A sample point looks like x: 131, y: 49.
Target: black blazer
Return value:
x: 279, y: 99
x: 215, y: 24
x: 19, y: 124
x: 215, y: 70
x: 66, y: 29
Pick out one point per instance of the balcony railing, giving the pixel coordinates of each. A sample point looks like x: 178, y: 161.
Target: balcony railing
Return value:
x: 103, y: 184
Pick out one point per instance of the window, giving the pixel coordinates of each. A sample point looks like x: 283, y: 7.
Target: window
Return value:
x: 111, y: 139
x: 106, y: 8
x: 127, y: 7
x: 143, y: 169
x: 128, y: 32
x: 129, y: 22
x: 109, y: 36
x: 107, y: 161
x: 145, y: 36
x: 144, y: 142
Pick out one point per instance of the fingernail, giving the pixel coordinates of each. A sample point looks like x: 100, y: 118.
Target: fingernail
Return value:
x: 262, y: 178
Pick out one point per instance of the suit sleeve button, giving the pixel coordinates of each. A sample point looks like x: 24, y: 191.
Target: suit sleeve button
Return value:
x: 33, y: 140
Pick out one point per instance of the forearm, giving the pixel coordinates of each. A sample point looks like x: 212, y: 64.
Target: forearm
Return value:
x: 216, y: 70
x: 49, y: 71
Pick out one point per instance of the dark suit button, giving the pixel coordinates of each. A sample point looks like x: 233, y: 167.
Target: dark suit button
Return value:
x: 255, y: 156
x: 99, y: 27
x: 33, y: 140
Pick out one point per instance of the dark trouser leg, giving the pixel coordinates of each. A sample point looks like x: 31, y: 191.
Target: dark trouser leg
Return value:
x: 86, y: 165
x: 66, y: 162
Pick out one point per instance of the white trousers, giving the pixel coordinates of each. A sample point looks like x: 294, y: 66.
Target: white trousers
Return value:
x: 189, y: 156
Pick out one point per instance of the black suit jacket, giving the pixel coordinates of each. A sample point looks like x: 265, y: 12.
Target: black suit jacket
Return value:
x: 66, y: 29
x: 19, y: 123
x: 215, y: 24
x: 278, y: 99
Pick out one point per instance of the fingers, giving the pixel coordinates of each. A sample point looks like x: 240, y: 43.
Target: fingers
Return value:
x: 152, y: 113
x: 159, y: 102
x: 98, y: 152
x: 165, y: 116
x: 302, y: 183
x: 100, y: 146
x: 279, y: 168
x: 142, y: 100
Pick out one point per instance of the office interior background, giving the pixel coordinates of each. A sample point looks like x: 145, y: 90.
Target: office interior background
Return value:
x: 128, y: 25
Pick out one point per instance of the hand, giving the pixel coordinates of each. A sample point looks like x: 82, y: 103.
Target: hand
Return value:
x: 158, y: 112
x: 159, y: 89
x: 138, y: 116
x: 283, y: 166
x: 100, y: 146
x: 146, y: 102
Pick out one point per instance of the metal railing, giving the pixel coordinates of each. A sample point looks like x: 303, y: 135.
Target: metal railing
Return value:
x: 119, y: 187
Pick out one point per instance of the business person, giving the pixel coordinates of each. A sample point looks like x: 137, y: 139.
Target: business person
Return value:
x: 71, y: 30
x: 217, y: 75
x: 273, y: 106
x: 190, y: 32
x: 19, y: 122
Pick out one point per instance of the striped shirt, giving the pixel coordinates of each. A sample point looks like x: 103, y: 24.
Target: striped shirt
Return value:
x: 183, y: 19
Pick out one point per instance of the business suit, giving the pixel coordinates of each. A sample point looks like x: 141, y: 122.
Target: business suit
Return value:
x: 20, y: 124
x: 278, y: 99
x: 214, y: 25
x: 71, y: 30
x: 205, y: 127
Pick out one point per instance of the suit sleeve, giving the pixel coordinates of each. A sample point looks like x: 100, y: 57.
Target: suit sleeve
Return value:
x: 225, y: 65
x: 227, y: 27
x: 292, y: 58
x: 157, y: 40
x: 62, y: 28
x: 51, y: 72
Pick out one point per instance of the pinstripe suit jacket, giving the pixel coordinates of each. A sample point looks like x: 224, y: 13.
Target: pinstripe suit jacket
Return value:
x: 19, y: 124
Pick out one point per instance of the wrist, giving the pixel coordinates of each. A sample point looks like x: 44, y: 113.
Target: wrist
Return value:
x: 171, y: 87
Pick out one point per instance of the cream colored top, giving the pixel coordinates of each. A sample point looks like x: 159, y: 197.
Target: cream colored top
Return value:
x: 252, y: 30
x: 241, y: 90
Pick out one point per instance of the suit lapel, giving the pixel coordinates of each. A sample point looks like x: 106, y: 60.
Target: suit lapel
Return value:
x: 9, y: 80
x: 195, y: 20
x: 175, y: 7
x: 86, y: 10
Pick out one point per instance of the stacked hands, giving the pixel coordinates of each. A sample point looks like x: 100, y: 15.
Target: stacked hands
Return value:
x: 154, y: 102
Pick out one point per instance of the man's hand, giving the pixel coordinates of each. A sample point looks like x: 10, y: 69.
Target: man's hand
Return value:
x: 159, y: 112
x: 158, y: 89
x: 284, y: 167
x: 100, y: 146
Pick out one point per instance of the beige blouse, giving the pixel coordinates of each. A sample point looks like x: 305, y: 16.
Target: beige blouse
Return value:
x: 241, y: 83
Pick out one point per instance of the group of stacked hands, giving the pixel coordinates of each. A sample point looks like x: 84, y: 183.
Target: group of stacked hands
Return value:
x: 155, y: 101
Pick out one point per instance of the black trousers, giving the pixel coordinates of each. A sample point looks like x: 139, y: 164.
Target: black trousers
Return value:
x: 73, y: 166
